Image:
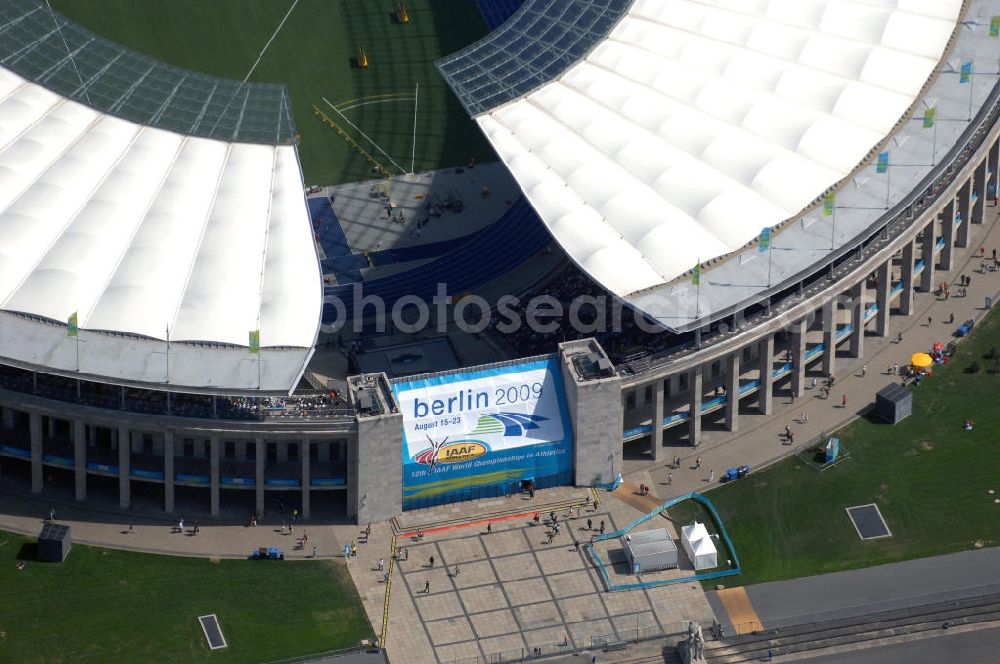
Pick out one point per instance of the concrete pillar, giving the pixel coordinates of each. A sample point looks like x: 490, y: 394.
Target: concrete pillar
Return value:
x: 214, y: 449
x: 883, y: 285
x: 656, y: 419
x: 168, y: 472
x: 927, y: 254
x: 964, y: 201
x: 858, y: 319
x: 799, y: 357
x: 979, y: 189
x: 80, y: 458
x: 694, y: 420
x: 35, y: 433
x: 124, y: 468
x: 906, y: 296
x: 948, y: 234
x: 830, y: 337
x: 259, y: 462
x: 733, y: 391
x: 992, y: 169
x: 306, y: 478
x: 764, y: 390
x: 282, y: 450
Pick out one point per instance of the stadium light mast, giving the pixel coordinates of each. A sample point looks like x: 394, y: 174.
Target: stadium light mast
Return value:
x: 413, y: 149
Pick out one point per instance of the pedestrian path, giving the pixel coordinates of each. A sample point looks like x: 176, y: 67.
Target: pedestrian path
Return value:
x: 737, y: 607
x: 761, y: 440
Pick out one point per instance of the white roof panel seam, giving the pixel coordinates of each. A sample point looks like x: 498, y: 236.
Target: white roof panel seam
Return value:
x: 70, y: 218
x: 135, y: 230
x: 197, y: 250
x: 267, y: 235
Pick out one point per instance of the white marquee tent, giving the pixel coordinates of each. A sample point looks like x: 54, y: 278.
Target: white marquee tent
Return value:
x: 699, y: 546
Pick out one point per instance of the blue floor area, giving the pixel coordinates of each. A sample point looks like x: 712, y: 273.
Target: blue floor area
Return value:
x: 492, y: 252
x: 340, y: 260
x: 495, y: 12
x: 419, y: 252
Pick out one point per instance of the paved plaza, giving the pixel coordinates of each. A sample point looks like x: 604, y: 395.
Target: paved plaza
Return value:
x: 518, y: 585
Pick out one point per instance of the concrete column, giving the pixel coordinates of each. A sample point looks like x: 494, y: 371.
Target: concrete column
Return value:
x: 830, y: 337
x: 214, y: 445
x: 124, y: 468
x: 979, y: 188
x: 656, y: 420
x: 168, y: 472
x: 858, y: 319
x: 80, y: 458
x: 259, y: 462
x: 35, y: 433
x: 927, y: 254
x: 883, y: 285
x: 948, y: 234
x: 695, y: 387
x: 306, y: 477
x: 964, y: 200
x: 282, y: 449
x: 906, y: 296
x: 799, y: 358
x: 764, y: 390
x: 991, y: 169
x: 733, y: 391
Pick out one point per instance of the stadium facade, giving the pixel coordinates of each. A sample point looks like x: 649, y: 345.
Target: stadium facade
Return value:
x: 119, y: 411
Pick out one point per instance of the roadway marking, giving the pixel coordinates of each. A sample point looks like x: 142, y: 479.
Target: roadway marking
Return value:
x: 742, y: 615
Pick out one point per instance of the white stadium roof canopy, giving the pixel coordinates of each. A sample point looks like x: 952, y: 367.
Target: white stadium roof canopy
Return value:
x: 694, y: 124
x: 143, y: 233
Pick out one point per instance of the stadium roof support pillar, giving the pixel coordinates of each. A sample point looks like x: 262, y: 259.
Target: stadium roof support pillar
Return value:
x: 978, y: 192
x: 732, y: 391
x: 260, y: 454
x: 213, y: 452
x: 306, y: 479
x: 962, y: 231
x: 656, y: 435
x: 80, y: 459
x: 168, y: 472
x: 948, y: 235
x: 927, y: 254
x: 694, y: 412
x: 858, y: 309
x: 830, y: 337
x: 799, y: 329
x: 766, y: 377
x: 906, y: 275
x: 35, y: 436
x: 124, y: 467
x: 882, y: 287
x: 964, y: 199
x: 992, y: 172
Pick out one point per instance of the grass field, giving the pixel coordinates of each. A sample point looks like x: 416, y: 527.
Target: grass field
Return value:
x: 312, y: 55
x: 103, y: 605
x: 929, y: 477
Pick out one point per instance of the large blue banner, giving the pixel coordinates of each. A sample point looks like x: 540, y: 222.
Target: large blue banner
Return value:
x: 476, y: 434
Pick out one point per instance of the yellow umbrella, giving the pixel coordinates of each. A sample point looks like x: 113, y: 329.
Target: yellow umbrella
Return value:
x: 921, y: 360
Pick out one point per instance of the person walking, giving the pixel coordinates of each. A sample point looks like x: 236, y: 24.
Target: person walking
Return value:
x: 431, y: 561
x: 489, y: 528
x: 697, y: 463
x: 899, y: 337
x: 670, y: 478
x: 814, y: 381
x: 843, y: 401
x: 864, y: 370
x: 455, y: 573
x: 711, y: 473
x: 314, y: 551
x: 427, y: 587
x: 381, y: 565
x: 197, y: 527
x: 602, y: 526
x: 788, y: 432
x: 791, y: 438
x: 804, y: 417
x: 590, y: 525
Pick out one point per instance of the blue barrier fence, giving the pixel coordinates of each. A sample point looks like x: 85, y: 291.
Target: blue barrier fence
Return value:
x: 719, y: 525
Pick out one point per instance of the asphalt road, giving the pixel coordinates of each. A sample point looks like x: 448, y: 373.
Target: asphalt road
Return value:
x: 978, y: 646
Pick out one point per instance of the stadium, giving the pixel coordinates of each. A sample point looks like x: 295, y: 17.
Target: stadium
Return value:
x: 189, y: 322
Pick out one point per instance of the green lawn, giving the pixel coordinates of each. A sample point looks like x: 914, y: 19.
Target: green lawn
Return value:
x: 103, y: 605
x: 311, y: 55
x: 929, y: 477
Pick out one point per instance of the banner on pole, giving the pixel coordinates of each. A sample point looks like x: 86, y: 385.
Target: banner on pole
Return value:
x: 966, y: 73
x: 72, y: 327
x: 995, y: 26
x: 764, y: 241
x: 254, y: 341
x: 696, y: 274
x: 883, y: 162
x: 828, y: 204
x: 930, y: 115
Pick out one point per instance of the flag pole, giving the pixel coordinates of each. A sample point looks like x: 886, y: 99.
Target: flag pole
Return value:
x: 770, y: 249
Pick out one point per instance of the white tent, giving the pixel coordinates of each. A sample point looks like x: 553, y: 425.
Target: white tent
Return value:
x: 699, y: 546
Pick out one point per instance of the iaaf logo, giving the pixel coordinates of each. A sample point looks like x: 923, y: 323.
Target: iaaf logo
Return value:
x: 441, y: 452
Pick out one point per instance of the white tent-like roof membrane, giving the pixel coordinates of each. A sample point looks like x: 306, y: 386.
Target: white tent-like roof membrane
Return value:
x: 155, y: 237
x: 697, y: 123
